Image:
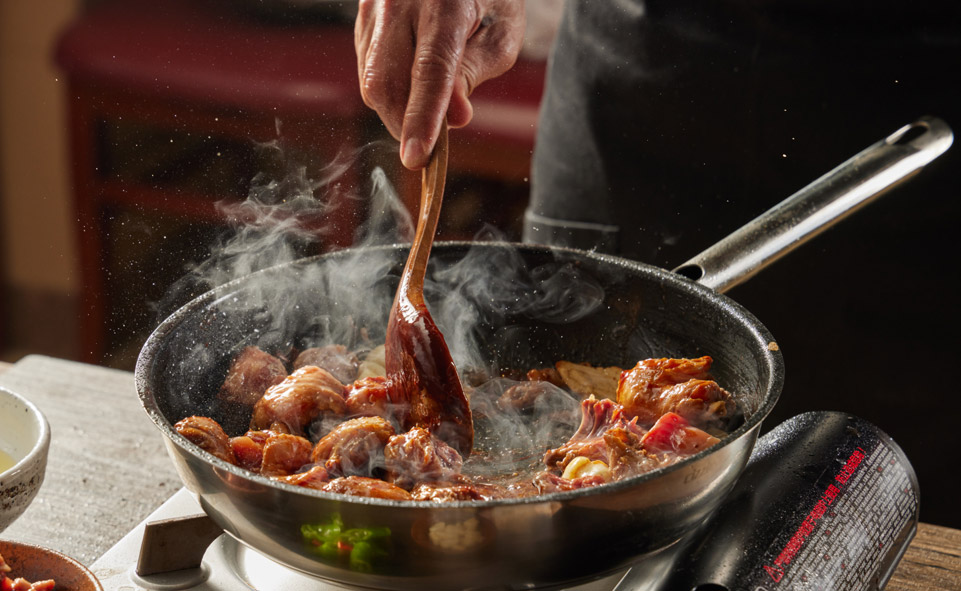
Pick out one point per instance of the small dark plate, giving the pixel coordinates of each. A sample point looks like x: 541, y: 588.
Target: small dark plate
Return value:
x: 34, y: 563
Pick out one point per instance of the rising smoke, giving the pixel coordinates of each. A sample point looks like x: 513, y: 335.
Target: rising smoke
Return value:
x: 281, y: 302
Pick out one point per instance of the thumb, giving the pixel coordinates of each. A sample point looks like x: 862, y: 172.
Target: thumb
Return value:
x: 460, y: 111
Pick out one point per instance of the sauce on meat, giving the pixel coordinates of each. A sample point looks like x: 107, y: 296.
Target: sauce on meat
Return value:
x: 552, y: 430
x: 420, y: 372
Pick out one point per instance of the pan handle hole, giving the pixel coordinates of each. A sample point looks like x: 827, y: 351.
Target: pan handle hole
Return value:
x: 692, y: 272
x: 908, y: 134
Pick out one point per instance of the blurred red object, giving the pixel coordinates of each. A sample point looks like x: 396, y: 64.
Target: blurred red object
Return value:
x: 203, y: 68
x: 213, y: 68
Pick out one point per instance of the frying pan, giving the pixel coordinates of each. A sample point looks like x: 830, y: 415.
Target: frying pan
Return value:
x: 551, y: 304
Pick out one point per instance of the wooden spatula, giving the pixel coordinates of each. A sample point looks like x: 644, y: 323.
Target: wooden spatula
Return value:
x: 419, y: 367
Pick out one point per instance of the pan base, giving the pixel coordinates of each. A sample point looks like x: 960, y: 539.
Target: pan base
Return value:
x: 227, y: 565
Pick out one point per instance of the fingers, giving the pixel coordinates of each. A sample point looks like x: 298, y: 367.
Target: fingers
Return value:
x: 363, y: 33
x: 491, y: 50
x: 384, y: 40
x: 419, y: 60
x: 494, y: 47
x: 459, y: 110
x: 440, y: 46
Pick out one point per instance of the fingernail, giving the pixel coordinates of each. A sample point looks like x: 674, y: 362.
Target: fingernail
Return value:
x: 412, y: 152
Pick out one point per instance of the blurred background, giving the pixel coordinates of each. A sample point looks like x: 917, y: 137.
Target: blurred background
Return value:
x: 38, y: 255
x: 127, y: 127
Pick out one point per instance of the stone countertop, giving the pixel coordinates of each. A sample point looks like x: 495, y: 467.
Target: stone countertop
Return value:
x: 107, y: 468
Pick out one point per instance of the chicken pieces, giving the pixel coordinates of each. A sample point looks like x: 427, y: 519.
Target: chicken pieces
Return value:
x: 610, y: 446
x: 631, y: 422
x: 417, y: 456
x: 208, y: 435
x: 607, y: 445
x: 654, y: 387
x: 369, y: 396
x: 341, y: 363
x: 354, y: 448
x: 284, y: 454
x: 251, y: 373
x: 300, y: 398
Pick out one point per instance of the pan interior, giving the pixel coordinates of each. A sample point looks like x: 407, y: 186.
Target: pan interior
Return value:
x: 501, y: 307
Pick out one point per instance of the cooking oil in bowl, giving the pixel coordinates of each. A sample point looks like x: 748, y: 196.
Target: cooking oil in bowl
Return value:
x: 24, y: 444
x: 6, y: 462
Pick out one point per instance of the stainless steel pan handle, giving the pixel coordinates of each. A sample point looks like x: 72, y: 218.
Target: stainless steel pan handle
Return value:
x: 820, y: 205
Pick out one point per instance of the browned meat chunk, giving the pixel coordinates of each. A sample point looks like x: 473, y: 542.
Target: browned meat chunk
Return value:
x: 548, y: 482
x: 354, y: 447
x: 546, y: 374
x: 360, y: 486
x: 270, y: 453
x: 657, y: 386
x: 523, y: 395
x: 301, y: 398
x: 606, y: 447
x: 285, y: 454
x: 702, y: 402
x: 370, y: 397
x: 597, y: 418
x: 341, y: 363
x: 208, y: 435
x: 445, y: 493
x: 248, y: 451
x: 416, y: 457
x: 316, y: 477
x: 627, y: 455
x: 251, y: 373
x: 675, y: 436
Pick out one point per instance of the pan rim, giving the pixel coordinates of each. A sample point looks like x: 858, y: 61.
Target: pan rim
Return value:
x: 760, y: 333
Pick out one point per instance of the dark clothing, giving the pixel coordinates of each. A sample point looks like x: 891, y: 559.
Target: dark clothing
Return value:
x: 677, y: 121
x: 667, y: 125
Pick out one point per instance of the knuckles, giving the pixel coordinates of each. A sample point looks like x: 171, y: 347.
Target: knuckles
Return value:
x: 452, y: 43
x: 389, y: 104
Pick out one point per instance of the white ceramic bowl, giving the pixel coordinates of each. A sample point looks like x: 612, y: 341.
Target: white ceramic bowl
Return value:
x: 25, y: 437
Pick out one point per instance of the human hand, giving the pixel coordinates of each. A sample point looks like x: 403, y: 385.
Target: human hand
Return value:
x: 419, y: 60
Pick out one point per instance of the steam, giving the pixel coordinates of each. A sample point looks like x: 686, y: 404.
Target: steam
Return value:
x: 286, y: 303
x: 285, y: 217
x: 511, y: 441
x: 486, y: 287
x: 389, y: 221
